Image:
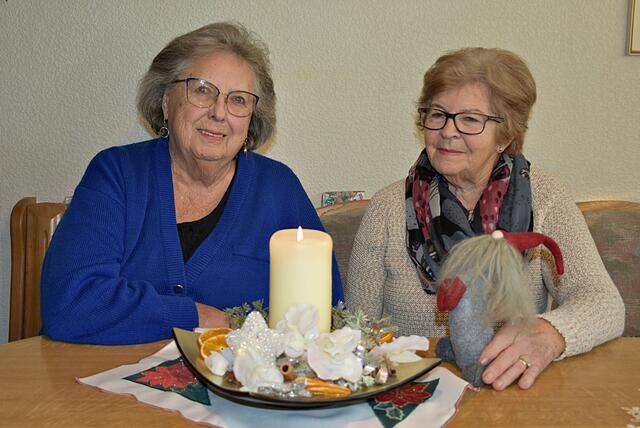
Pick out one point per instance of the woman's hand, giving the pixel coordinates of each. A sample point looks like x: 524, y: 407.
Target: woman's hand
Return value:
x: 520, y: 352
x: 208, y: 316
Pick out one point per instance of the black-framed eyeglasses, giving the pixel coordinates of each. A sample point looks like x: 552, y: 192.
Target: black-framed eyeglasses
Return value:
x: 204, y: 94
x: 466, y: 123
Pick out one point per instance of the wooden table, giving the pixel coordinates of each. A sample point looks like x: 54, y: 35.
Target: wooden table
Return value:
x: 38, y: 388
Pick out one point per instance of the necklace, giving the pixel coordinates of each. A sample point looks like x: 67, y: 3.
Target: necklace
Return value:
x: 459, y: 196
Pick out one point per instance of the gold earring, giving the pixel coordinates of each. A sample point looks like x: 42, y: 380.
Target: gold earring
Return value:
x: 245, y: 145
x: 500, y: 149
x: 164, y: 130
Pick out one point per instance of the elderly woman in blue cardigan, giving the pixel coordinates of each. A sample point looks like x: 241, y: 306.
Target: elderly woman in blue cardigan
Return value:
x: 167, y: 232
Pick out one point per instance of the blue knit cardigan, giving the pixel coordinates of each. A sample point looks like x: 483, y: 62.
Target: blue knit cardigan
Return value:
x: 114, y: 272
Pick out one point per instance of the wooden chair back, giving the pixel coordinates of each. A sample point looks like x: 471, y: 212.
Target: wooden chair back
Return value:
x: 31, y: 228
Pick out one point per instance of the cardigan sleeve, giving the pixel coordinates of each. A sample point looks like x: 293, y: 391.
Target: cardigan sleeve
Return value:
x: 84, y: 298
x: 590, y: 310
x: 366, y: 277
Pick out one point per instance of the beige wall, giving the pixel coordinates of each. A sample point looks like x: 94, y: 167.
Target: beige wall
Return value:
x: 347, y: 74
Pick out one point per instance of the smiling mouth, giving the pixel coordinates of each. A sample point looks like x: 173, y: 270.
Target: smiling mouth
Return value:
x: 211, y: 134
x: 449, y: 151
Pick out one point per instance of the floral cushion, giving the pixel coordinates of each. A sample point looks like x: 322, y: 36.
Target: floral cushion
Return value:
x: 341, y: 221
x: 616, y: 232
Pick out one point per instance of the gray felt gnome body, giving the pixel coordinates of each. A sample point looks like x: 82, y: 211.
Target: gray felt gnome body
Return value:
x: 482, y: 284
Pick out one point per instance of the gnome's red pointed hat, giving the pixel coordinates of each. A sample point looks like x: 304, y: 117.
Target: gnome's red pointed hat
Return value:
x: 524, y: 240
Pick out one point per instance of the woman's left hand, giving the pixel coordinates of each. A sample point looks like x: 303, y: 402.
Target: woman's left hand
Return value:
x: 211, y: 317
x: 520, y: 352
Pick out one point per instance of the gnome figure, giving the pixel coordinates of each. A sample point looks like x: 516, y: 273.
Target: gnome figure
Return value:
x: 482, y: 284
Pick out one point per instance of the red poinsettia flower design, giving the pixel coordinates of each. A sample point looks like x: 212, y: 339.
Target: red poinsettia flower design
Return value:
x: 176, y: 376
x: 413, y: 393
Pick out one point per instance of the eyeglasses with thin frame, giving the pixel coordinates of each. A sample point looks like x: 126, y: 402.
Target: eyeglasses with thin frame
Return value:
x: 467, y: 123
x: 204, y: 94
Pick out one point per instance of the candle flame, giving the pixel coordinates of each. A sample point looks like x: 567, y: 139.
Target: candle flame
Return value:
x: 300, y: 235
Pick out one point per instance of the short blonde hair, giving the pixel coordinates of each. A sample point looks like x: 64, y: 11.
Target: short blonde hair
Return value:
x: 183, y: 50
x: 512, y: 90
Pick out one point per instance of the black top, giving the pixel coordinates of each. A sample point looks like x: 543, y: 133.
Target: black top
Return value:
x: 193, y: 233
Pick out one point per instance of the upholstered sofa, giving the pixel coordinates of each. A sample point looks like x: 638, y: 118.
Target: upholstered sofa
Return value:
x: 614, y: 225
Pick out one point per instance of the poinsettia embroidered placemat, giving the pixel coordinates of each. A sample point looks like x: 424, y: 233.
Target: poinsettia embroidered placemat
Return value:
x: 162, y: 380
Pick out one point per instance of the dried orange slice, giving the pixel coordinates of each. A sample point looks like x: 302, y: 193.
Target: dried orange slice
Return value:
x: 216, y: 343
x: 387, y: 337
x: 319, y: 387
x: 212, y: 332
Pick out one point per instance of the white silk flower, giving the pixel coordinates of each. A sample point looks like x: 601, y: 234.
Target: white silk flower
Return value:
x: 300, y: 329
x: 331, y: 355
x: 400, y: 350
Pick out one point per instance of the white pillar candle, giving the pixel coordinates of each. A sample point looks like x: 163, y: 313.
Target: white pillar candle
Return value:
x: 300, y: 272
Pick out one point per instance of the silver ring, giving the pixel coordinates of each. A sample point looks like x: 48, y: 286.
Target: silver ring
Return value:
x: 525, y: 362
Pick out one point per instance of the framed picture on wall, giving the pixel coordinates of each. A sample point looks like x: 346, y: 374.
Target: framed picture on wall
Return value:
x: 634, y: 28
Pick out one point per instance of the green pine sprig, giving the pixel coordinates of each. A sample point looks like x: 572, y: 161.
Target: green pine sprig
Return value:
x: 238, y: 314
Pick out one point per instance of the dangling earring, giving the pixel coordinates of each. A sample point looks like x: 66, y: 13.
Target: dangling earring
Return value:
x: 500, y: 149
x: 245, y: 146
x: 164, y: 130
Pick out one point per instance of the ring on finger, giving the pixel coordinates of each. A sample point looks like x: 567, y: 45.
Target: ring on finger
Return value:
x: 525, y: 362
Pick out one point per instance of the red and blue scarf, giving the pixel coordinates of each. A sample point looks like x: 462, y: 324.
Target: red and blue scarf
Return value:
x: 436, y: 220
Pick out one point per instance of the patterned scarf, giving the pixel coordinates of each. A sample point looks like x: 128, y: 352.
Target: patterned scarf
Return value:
x: 436, y: 220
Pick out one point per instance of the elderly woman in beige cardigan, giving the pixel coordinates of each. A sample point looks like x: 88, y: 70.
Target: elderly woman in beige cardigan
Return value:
x: 471, y: 179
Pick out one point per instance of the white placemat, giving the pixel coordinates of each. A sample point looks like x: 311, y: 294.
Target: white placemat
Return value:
x: 434, y: 412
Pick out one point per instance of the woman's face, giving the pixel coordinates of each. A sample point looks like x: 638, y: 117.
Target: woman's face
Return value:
x: 463, y: 159
x: 209, y: 134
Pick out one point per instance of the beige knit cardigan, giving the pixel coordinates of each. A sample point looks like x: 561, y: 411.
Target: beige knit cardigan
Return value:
x: 587, y: 308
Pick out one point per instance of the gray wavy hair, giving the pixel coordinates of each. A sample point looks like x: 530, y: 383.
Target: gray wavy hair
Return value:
x: 183, y: 50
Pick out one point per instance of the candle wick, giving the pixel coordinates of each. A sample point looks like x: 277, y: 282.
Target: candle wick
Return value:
x: 300, y: 235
